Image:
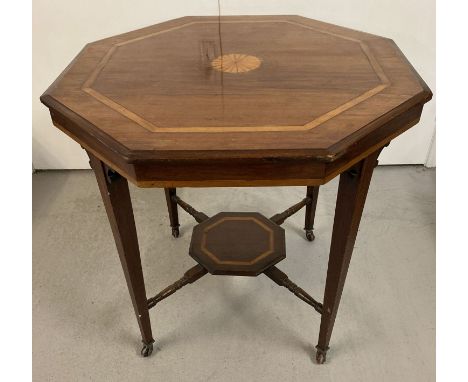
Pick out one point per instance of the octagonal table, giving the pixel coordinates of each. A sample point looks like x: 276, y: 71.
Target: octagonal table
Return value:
x: 237, y: 101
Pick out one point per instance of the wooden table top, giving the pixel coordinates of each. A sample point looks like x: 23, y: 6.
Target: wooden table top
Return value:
x: 233, y: 87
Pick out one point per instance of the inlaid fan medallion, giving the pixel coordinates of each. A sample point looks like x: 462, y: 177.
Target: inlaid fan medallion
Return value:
x: 236, y: 63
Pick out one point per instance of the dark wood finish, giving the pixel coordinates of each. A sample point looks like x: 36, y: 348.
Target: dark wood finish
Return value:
x: 352, y: 192
x: 161, y: 107
x: 238, y: 243
x: 116, y: 198
x: 189, y: 277
x: 197, y: 215
x: 283, y: 280
x: 280, y: 218
x: 172, y: 210
x: 240, y: 172
x: 312, y: 194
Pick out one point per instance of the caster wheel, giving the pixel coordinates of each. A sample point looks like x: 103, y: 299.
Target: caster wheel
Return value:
x: 320, y: 357
x: 147, y: 350
x: 309, y: 235
x: 175, y: 232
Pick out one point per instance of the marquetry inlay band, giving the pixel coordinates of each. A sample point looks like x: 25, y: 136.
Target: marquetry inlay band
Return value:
x: 236, y: 63
x: 267, y: 252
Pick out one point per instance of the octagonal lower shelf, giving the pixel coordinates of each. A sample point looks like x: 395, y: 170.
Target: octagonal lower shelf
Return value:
x: 238, y: 243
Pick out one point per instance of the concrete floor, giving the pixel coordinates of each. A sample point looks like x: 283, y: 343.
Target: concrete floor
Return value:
x: 233, y: 328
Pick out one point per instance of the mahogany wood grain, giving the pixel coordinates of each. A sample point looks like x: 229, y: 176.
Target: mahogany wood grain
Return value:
x: 116, y: 198
x: 352, y: 192
x: 153, y: 101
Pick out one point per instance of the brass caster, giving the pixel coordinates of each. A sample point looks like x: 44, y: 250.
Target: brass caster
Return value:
x: 147, y: 350
x: 175, y: 232
x: 309, y: 234
x: 320, y: 356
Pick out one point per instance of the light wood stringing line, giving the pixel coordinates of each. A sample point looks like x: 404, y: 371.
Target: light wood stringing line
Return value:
x: 234, y: 262
x: 219, y: 129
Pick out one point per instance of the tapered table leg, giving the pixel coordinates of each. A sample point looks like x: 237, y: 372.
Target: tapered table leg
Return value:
x: 172, y: 209
x: 312, y: 192
x: 352, y: 192
x: 116, y: 197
